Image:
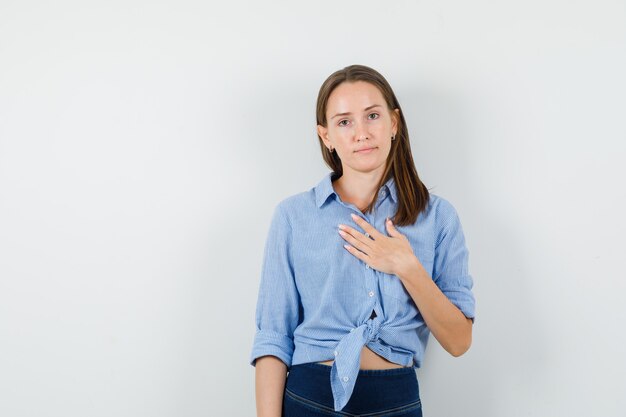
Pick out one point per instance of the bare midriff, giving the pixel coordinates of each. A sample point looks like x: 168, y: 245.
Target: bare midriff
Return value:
x: 371, y: 360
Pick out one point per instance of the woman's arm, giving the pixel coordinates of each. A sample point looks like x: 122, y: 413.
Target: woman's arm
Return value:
x: 446, y: 322
x: 277, y: 316
x: 270, y: 376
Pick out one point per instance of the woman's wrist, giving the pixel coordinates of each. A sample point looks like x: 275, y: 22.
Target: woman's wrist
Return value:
x: 411, y: 270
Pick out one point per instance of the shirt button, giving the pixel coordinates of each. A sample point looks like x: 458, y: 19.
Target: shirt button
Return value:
x: 345, y: 379
x: 371, y: 293
x: 367, y: 266
x: 336, y: 353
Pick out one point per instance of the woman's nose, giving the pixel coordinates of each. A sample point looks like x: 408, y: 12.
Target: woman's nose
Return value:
x: 360, y: 131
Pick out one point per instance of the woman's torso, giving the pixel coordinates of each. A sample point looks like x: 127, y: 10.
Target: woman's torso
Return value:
x: 370, y: 360
x: 337, y: 293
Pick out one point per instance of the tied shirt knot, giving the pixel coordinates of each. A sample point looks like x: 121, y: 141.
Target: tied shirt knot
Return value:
x: 345, y: 368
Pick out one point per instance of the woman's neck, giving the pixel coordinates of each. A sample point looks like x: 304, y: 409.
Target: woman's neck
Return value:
x: 356, y: 190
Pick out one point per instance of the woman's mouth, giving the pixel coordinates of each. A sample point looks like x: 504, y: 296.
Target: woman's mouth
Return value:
x: 366, y: 150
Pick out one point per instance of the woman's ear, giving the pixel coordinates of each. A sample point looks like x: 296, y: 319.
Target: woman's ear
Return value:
x: 322, y: 132
x: 395, y: 120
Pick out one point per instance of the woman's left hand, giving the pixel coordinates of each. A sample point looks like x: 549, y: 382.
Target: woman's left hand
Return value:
x: 389, y: 254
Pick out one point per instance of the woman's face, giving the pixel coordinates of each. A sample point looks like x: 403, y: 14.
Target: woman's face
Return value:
x: 359, y: 126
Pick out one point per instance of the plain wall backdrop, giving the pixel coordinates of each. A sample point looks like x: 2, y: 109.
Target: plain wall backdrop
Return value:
x: 144, y: 146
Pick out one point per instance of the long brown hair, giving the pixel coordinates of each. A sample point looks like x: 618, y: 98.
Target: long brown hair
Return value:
x: 413, y: 195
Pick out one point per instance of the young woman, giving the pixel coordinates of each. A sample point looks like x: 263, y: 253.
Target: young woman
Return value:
x: 359, y: 270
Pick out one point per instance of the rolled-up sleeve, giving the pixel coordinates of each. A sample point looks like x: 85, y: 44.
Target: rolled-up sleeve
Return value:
x: 277, y: 310
x: 450, y: 270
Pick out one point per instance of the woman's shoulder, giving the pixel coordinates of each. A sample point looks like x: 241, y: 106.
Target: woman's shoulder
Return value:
x: 440, y: 208
x: 301, y: 202
x: 439, y: 202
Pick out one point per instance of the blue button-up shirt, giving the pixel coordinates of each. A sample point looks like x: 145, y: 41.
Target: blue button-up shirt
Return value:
x: 316, y: 299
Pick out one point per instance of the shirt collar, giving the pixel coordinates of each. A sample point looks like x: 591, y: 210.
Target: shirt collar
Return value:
x: 325, y: 188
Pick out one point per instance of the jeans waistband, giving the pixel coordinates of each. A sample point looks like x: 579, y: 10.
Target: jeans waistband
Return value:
x: 374, y: 390
x: 319, y: 367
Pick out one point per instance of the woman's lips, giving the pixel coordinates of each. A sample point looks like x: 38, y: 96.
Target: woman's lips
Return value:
x: 368, y: 150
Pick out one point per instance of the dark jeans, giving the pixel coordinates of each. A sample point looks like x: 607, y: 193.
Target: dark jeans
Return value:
x: 377, y: 393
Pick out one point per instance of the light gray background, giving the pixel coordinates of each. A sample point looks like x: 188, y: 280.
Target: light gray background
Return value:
x: 144, y: 145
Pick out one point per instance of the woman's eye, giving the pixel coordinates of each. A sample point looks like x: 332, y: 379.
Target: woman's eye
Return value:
x: 375, y: 114
x: 340, y: 123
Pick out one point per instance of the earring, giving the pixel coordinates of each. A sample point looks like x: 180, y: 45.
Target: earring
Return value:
x: 331, y: 149
x: 393, y: 137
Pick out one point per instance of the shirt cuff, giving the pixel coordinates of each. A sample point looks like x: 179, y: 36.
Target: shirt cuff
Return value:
x: 463, y: 299
x: 271, y: 343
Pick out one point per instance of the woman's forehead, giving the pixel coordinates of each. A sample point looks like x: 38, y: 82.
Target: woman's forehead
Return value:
x: 353, y: 97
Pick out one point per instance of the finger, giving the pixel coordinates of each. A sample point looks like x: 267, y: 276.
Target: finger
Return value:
x: 360, y: 237
x: 360, y: 255
x: 391, y: 228
x: 360, y: 245
x: 371, y: 230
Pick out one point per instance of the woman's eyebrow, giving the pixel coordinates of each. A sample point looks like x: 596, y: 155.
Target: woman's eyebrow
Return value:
x: 348, y: 113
